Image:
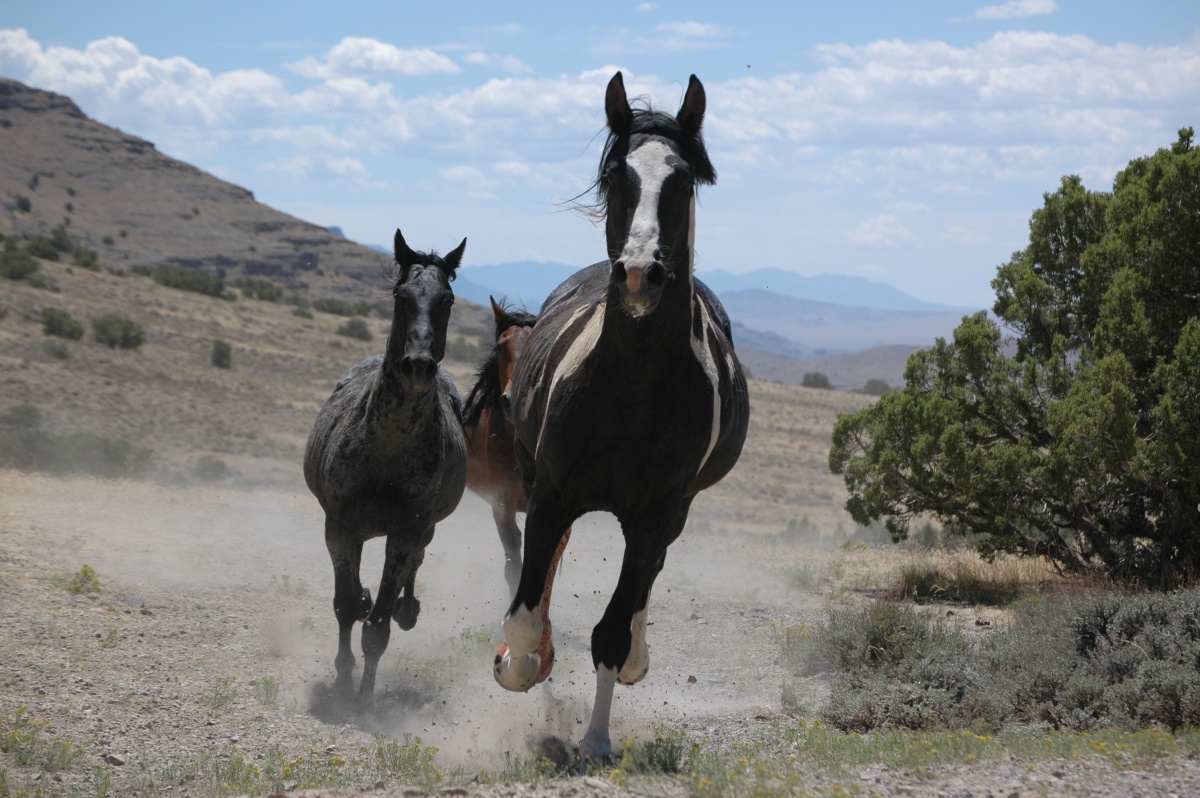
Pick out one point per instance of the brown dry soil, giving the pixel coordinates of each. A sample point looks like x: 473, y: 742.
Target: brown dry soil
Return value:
x: 210, y: 591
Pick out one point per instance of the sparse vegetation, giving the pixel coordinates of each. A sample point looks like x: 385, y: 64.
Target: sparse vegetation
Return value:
x: 58, y: 322
x: 222, y: 354
x: 340, y: 307
x: 876, y: 387
x: 42, y: 247
x: 23, y: 204
x: 266, y: 690
x: 24, y: 741
x: 355, y: 328
x: 815, y: 379
x: 25, y: 445
x: 184, y: 279
x: 84, y: 581
x: 221, y: 694
x: 117, y: 332
x: 1083, y: 664
x: 15, y: 262
x: 210, y: 468
x: 259, y: 288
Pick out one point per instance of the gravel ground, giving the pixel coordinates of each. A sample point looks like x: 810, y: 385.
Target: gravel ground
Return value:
x: 209, y: 594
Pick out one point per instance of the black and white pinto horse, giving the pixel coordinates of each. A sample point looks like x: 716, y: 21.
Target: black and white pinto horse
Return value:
x: 628, y: 398
x: 387, y: 456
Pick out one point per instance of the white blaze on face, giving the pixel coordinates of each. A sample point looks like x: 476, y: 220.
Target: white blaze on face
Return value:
x: 650, y: 163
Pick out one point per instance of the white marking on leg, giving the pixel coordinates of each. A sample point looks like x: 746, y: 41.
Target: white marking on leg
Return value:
x: 576, y: 354
x: 517, y: 667
x: 637, y: 664
x: 704, y: 356
x: 596, y: 743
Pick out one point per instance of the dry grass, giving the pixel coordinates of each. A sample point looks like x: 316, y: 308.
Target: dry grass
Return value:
x: 961, y: 575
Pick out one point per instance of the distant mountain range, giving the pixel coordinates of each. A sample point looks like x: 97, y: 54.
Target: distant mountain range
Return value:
x: 781, y: 313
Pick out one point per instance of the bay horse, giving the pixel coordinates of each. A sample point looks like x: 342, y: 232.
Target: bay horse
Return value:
x: 628, y: 397
x: 492, y: 471
x: 387, y: 457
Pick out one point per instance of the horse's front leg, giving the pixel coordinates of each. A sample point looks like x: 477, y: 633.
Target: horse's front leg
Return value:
x: 504, y: 513
x: 527, y: 655
x: 619, y: 648
x: 351, y: 601
x: 399, y: 568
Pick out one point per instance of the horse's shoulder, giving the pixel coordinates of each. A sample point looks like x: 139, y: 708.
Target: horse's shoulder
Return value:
x: 715, y: 309
x: 358, y: 371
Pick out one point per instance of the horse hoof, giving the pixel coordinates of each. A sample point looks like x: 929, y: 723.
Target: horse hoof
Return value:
x: 365, y: 604
x: 406, y: 612
x: 595, y: 751
x: 517, y: 675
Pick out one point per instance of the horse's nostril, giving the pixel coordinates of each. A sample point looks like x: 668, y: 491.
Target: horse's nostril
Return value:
x: 656, y: 274
x: 618, y: 270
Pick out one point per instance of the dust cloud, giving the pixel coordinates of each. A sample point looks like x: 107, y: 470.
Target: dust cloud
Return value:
x: 256, y: 558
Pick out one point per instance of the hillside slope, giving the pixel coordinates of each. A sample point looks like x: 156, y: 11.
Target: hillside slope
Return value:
x: 120, y: 196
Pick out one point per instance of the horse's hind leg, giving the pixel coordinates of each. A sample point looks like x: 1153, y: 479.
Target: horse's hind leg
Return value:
x: 505, y: 516
x: 400, y: 563
x: 527, y: 655
x: 351, y: 601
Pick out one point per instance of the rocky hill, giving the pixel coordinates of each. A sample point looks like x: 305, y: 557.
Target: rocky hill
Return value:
x: 118, y: 195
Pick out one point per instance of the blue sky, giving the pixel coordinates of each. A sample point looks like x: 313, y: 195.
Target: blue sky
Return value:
x: 904, y: 142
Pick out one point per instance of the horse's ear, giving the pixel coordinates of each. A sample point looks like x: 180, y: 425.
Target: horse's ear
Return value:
x: 691, y: 113
x: 454, y: 256
x: 404, y: 256
x: 616, y: 106
x: 498, y: 312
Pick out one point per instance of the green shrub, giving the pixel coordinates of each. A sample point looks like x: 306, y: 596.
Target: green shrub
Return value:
x: 60, y: 240
x: 118, y: 332
x: 184, y: 279
x: 877, y: 387
x: 302, y: 312
x: 340, y: 307
x: 56, y: 349
x: 58, y: 322
x: 815, y: 379
x: 23, y: 204
x: 107, y: 241
x: 210, y: 468
x: 86, y: 258
x: 222, y: 354
x: 85, y: 580
x: 21, y: 417
x: 259, y: 288
x: 15, y: 262
x: 42, y: 247
x: 355, y: 328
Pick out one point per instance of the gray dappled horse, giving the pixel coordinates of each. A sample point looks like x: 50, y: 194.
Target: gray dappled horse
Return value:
x: 627, y: 398
x: 386, y: 457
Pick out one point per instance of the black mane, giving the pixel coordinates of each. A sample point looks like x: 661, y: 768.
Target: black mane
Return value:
x: 486, y: 392
x: 431, y: 258
x: 648, y: 122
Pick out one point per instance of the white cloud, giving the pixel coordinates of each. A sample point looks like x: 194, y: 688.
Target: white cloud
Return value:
x: 1016, y: 9
x: 646, y: 7
x: 358, y: 56
x: 505, y: 63
x: 962, y: 235
x: 884, y: 230
x: 317, y: 167
x: 688, y: 36
x: 475, y: 182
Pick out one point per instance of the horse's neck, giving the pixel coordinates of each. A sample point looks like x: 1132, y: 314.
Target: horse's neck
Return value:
x: 391, y: 405
x: 666, y: 329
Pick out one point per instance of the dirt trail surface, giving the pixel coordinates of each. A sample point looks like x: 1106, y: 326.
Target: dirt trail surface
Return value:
x: 208, y: 593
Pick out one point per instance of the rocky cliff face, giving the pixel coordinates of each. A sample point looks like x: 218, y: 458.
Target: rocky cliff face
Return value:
x: 119, y: 195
